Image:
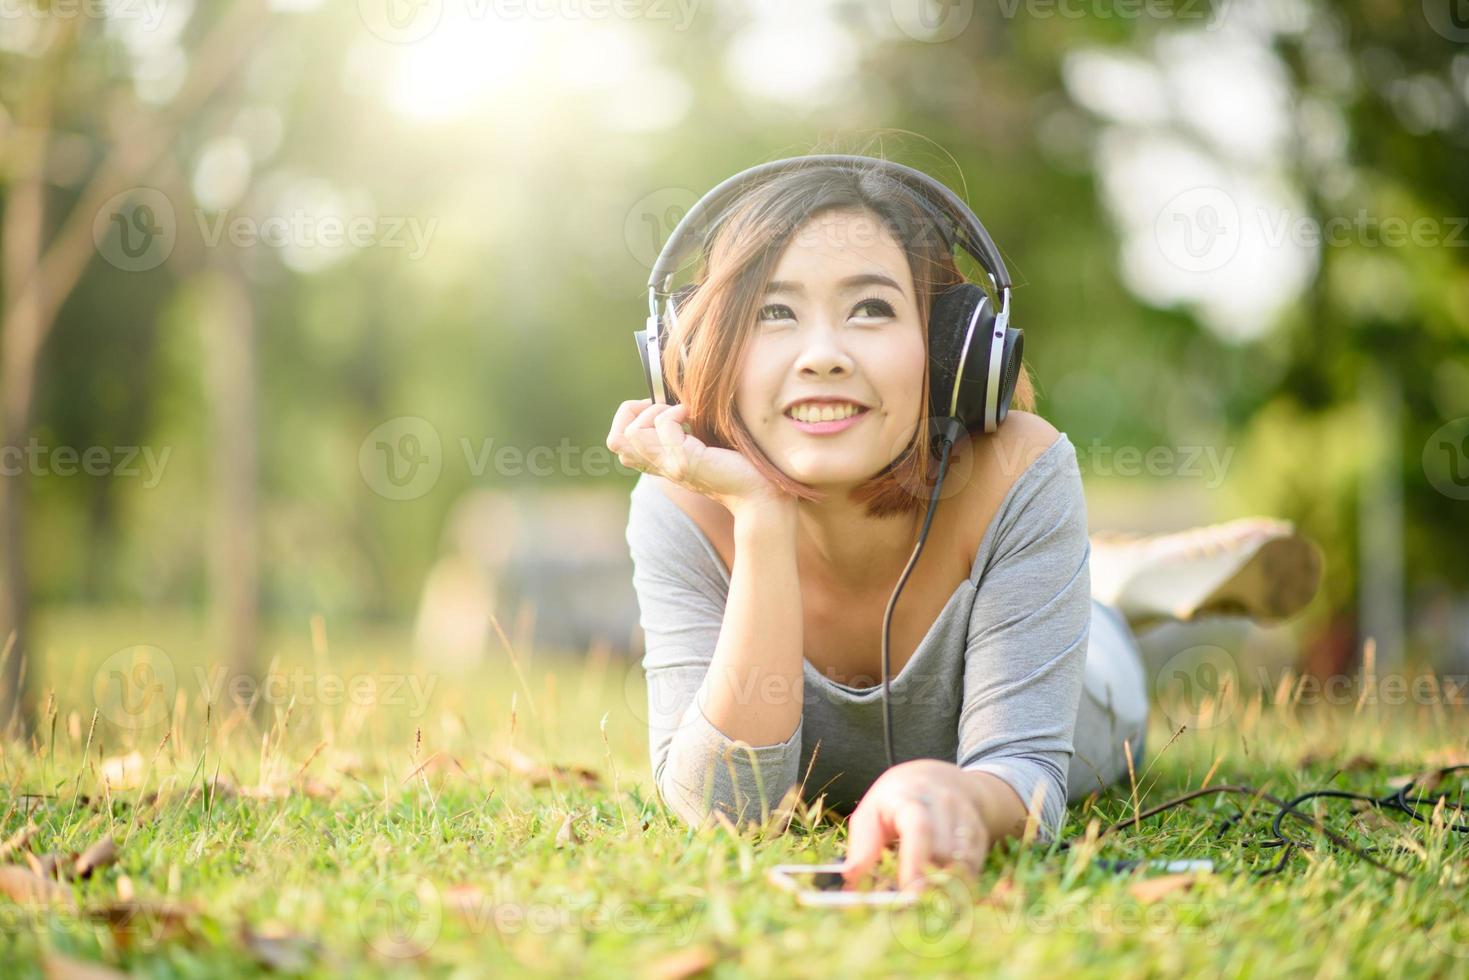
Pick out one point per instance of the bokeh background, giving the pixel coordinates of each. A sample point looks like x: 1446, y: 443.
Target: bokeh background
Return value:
x: 316, y: 314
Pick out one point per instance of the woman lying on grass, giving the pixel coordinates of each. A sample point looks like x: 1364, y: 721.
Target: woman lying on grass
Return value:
x: 766, y: 547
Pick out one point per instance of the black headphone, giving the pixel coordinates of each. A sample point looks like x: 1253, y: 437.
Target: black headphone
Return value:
x: 973, y: 352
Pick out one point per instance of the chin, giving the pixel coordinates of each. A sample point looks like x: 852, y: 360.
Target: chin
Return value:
x: 827, y: 477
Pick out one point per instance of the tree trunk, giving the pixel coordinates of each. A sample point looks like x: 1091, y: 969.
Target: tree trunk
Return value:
x: 234, y: 555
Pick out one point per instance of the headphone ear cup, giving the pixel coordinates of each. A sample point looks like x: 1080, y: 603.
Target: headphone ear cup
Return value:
x: 1010, y: 372
x: 964, y: 315
x: 948, y: 327
x: 658, y: 387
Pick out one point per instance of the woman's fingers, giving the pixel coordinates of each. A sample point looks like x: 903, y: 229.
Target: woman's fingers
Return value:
x: 637, y: 445
x: 626, y: 412
x: 914, y: 822
x: 669, y: 426
x: 867, y: 835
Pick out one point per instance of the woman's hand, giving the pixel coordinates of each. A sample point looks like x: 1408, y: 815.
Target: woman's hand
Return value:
x: 650, y: 437
x: 929, y: 806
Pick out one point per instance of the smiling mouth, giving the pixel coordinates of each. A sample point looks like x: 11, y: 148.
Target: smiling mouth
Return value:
x: 825, y: 412
x: 818, y: 425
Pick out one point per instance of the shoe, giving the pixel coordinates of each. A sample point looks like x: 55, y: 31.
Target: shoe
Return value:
x: 1258, y: 567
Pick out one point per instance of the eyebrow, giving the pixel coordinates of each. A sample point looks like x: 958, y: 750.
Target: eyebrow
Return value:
x: 864, y: 279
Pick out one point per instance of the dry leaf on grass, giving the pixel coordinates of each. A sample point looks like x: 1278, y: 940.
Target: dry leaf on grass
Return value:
x: 58, y: 967
x: 520, y: 764
x: 24, y: 887
x: 685, y: 963
x: 44, y: 865
x: 154, y: 921
x: 1451, y: 755
x: 277, y: 948
x: 567, y: 835
x: 99, y: 855
x: 1424, y: 783
x: 17, y: 840
x: 1327, y: 756
x: 1152, y: 889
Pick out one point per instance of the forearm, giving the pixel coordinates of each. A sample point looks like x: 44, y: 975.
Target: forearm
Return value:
x: 1000, y: 807
x: 753, y: 689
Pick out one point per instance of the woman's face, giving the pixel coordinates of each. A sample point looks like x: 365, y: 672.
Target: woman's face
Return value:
x: 839, y: 320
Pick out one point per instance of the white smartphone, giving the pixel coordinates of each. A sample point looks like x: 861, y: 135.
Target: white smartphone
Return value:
x: 825, y: 885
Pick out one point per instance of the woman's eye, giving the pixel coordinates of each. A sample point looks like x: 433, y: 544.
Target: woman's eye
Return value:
x: 878, y: 307
x: 776, y: 311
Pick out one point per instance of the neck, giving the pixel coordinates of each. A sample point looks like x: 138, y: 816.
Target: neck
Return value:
x: 851, y: 552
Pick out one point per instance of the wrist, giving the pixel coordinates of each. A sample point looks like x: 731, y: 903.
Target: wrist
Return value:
x: 763, y: 516
x: 999, y: 806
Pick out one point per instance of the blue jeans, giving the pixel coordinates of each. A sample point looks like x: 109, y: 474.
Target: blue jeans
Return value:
x: 1113, y: 709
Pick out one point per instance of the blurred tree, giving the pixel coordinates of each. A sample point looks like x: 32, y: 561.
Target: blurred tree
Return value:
x: 56, y: 90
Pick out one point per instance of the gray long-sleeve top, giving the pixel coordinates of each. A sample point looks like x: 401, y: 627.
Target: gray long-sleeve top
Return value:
x: 995, y: 684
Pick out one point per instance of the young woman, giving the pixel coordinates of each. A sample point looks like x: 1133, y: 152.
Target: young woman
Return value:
x: 779, y: 503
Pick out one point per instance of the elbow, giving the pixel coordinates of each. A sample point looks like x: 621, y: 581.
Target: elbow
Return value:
x: 710, y: 789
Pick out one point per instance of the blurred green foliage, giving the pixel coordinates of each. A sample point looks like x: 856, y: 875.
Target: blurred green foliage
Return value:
x: 546, y: 183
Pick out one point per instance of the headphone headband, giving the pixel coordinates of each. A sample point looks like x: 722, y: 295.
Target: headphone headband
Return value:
x: 968, y: 232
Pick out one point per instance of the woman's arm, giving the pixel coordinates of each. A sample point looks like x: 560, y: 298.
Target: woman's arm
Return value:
x: 1023, y: 670
x: 724, y: 685
x: 1026, y: 656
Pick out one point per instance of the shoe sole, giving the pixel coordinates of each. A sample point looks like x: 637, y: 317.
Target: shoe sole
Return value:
x: 1277, y: 582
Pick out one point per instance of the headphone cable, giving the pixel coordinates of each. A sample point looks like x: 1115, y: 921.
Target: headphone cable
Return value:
x: 949, y: 429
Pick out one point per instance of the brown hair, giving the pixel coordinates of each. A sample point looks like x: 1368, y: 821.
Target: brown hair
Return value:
x: 717, y: 316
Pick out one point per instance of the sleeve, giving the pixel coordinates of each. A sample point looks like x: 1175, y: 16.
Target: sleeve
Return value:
x: 681, y: 593
x: 1025, y: 658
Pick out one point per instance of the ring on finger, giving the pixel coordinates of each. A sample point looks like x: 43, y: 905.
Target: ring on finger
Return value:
x: 921, y: 796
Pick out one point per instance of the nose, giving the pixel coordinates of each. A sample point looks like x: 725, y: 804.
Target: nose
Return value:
x: 823, y: 354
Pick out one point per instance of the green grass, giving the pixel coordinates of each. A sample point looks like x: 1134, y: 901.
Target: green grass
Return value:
x: 392, y: 838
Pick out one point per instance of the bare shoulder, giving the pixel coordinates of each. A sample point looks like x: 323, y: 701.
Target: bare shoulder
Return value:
x: 1020, y: 439
x: 999, y: 459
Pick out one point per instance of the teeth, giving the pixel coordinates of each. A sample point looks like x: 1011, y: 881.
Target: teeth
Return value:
x: 809, y: 412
